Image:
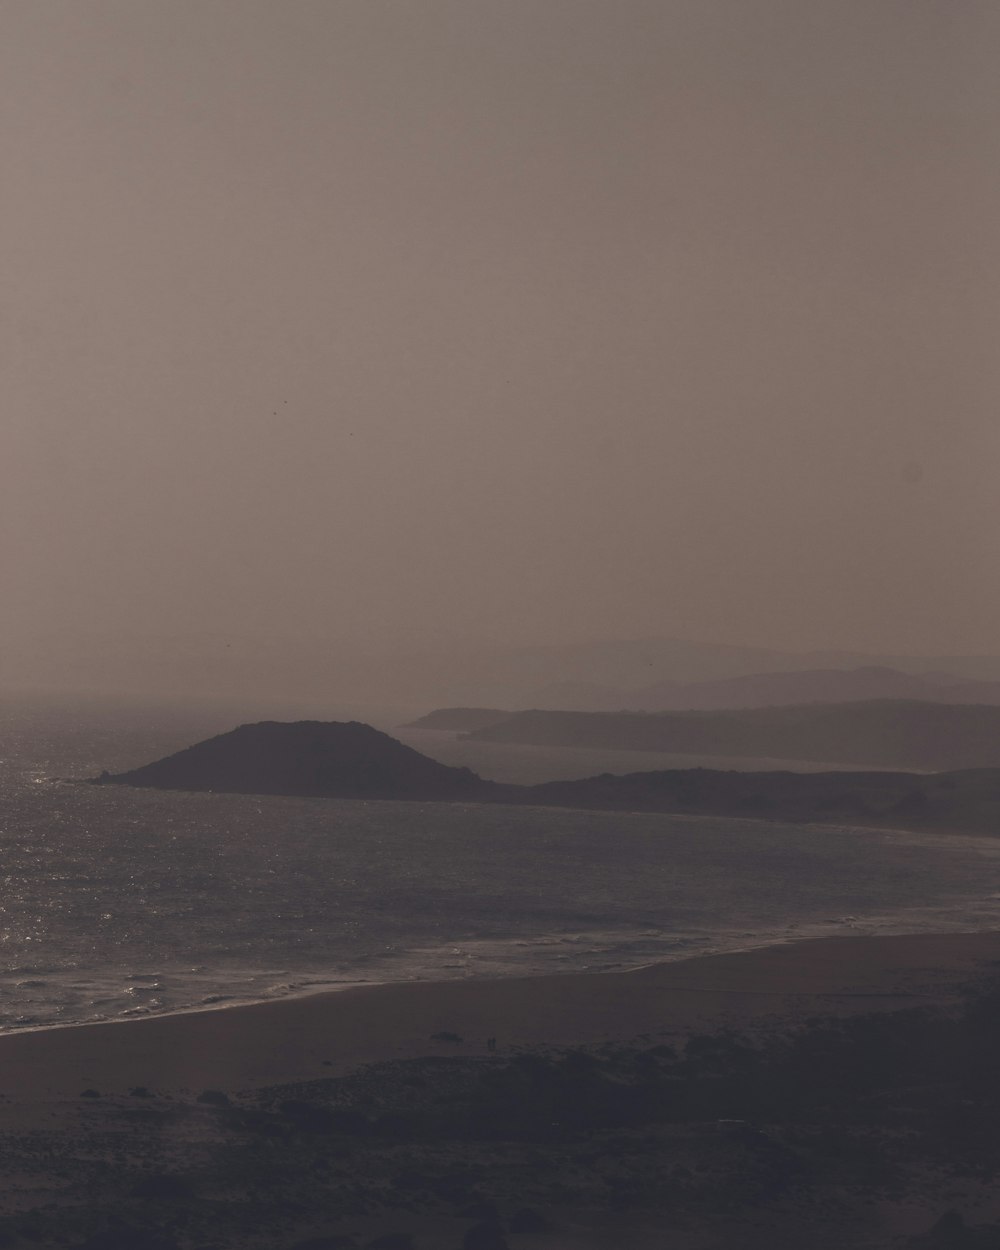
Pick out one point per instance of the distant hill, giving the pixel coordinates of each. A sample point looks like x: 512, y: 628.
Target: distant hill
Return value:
x: 310, y: 671
x: 459, y: 719
x: 330, y: 759
x: 892, y: 734
x: 773, y: 689
x: 967, y: 800
x: 352, y: 760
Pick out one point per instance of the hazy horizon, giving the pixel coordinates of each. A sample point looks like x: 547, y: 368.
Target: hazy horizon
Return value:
x: 466, y: 325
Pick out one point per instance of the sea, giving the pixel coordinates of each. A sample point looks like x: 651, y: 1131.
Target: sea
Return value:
x: 119, y: 903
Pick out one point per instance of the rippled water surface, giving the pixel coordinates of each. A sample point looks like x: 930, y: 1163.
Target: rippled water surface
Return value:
x: 118, y: 902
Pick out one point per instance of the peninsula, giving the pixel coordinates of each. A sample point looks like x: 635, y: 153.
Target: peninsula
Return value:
x: 871, y: 733
x: 352, y: 760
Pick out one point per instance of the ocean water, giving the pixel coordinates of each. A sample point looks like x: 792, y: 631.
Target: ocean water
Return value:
x: 118, y: 902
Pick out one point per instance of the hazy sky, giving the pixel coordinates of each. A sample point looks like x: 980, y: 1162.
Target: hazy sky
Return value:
x: 502, y: 319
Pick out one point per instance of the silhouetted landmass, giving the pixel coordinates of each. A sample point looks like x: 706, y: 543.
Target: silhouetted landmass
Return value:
x: 352, y: 760
x: 771, y: 689
x: 459, y: 719
x: 312, y: 758
x: 874, y: 734
x: 967, y: 799
x: 758, y: 690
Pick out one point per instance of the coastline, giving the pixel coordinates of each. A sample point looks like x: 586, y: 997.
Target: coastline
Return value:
x: 333, y: 1031
x: 262, y: 1126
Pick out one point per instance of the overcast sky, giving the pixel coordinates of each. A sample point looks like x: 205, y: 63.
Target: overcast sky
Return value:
x: 504, y: 320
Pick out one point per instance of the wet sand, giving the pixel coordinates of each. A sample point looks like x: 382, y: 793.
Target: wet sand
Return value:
x: 247, y: 1047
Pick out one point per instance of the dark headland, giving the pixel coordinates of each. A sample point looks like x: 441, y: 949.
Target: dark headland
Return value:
x: 354, y: 761
x: 330, y: 759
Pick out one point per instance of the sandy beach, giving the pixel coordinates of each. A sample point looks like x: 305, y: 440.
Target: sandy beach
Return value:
x: 304, y: 1038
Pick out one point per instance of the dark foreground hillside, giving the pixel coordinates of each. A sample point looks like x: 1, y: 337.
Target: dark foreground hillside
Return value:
x: 876, y: 733
x: 879, y: 1131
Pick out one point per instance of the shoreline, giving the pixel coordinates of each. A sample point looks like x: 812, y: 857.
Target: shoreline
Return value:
x: 845, y: 929
x: 331, y: 1031
x: 347, y: 1116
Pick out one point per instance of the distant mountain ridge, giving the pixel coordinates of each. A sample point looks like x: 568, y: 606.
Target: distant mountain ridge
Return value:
x: 351, y: 760
x: 874, y: 733
x: 772, y: 689
x: 312, y: 670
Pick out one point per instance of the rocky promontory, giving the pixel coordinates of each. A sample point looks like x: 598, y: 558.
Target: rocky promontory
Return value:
x: 330, y: 759
x: 350, y: 760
